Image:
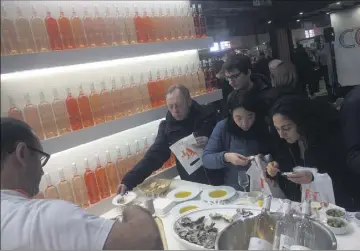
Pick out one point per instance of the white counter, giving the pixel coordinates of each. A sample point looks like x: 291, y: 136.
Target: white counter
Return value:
x: 350, y: 241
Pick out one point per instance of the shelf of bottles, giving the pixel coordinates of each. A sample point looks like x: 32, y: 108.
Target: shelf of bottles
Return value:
x: 40, y: 27
x: 98, y: 175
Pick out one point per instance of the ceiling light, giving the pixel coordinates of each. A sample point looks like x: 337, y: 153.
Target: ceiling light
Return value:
x: 298, y: 20
x: 338, y: 3
x: 328, y: 13
x: 270, y: 22
x: 301, y: 13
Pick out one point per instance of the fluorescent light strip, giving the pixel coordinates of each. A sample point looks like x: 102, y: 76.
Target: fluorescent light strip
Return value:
x: 94, y: 65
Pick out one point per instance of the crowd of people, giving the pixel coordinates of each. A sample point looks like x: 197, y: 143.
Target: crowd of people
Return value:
x: 265, y: 115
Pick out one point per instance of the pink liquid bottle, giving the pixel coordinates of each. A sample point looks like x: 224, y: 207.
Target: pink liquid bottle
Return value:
x: 14, y: 111
x: 53, y: 31
x: 66, y: 31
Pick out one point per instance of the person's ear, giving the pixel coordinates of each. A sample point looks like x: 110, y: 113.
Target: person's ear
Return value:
x: 20, y: 152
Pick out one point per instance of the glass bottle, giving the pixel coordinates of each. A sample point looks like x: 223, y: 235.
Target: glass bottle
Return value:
x: 107, y: 106
x: 60, y: 113
x: 170, y: 24
x: 207, y: 75
x: 116, y: 98
x: 263, y: 232
x: 202, y: 22
x: 184, y: 25
x: 136, y: 102
x: 195, y: 79
x: 130, y: 27
x: 110, y: 28
x: 111, y: 174
x: 66, y: 31
x: 120, y: 164
x: 152, y: 88
x: 197, y: 24
x: 161, y: 89
x: 284, y: 229
x: 146, y: 145
x: 47, y: 118
x: 99, y: 29
x: 78, y: 30
x: 96, y: 106
x: 25, y: 36
x: 177, y: 25
x: 145, y: 96
x: 201, y: 76
x: 189, y: 81
x: 167, y: 81
x: 50, y: 191
x: 53, y: 31
x: 101, y: 179
x: 85, y: 109
x: 139, y: 24
x: 190, y: 22
x: 146, y: 27
x: 120, y: 32
x: 181, y: 77
x: 162, y: 26
x: 130, y: 159
x: 73, y: 111
x: 212, y: 76
x: 64, y: 187
x: 39, y: 32
x: 304, y: 229
x: 32, y: 117
x: 175, y: 78
x: 153, y: 26
x: 90, y: 183
x: 139, y: 155
x: 13, y: 111
x: 89, y: 24
x: 127, y: 98
x: 79, y: 188
x: 8, y: 34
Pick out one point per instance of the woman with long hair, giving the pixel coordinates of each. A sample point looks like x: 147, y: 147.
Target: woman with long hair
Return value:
x: 309, y: 136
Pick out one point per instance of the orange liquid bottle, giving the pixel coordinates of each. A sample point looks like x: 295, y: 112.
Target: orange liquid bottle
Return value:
x: 99, y: 29
x: 39, y: 32
x: 121, y: 36
x: 153, y: 26
x: 178, y: 25
x: 139, y: 24
x: 78, y: 30
x: 14, y: 112
x: 50, y: 191
x: 145, y: 97
x: 135, y: 95
x: 26, y: 40
x: 202, y: 22
x: 197, y: 24
x: 111, y: 174
x: 8, y: 34
x: 60, y: 113
x: 195, y: 80
x: 65, y: 190
x: 101, y: 179
x: 116, y: 98
x: 107, y: 106
x: 110, y: 29
x: 47, y: 118
x: 184, y: 26
x: 170, y: 25
x: 131, y: 32
x: 79, y: 188
x: 85, y: 109
x: 66, y: 31
x: 189, y: 81
x: 201, y: 77
x: 53, y: 32
x: 96, y: 106
x: 73, y: 111
x: 162, y: 88
x: 127, y: 98
x: 190, y: 22
x: 121, y: 170
x: 175, y: 78
x: 152, y: 88
x: 90, y: 183
x: 89, y: 24
x: 32, y: 117
x: 161, y: 32
x: 147, y: 27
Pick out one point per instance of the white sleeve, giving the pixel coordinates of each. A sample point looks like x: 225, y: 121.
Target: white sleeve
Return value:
x: 65, y: 226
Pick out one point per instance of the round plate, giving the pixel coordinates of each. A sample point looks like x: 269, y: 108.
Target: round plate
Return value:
x: 183, y: 194
x: 128, y: 197
x: 219, y: 193
x: 189, y: 205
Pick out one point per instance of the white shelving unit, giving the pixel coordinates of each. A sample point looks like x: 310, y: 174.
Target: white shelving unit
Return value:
x: 87, y: 135
x: 24, y: 62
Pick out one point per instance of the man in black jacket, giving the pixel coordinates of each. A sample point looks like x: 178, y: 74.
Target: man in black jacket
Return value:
x: 185, y: 116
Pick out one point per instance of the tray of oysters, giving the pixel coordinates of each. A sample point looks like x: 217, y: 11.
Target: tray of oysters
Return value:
x: 197, y: 230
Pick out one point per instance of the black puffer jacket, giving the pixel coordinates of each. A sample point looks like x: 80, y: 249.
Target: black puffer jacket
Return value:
x: 201, y: 121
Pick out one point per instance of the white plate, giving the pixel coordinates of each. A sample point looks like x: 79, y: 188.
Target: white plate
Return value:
x: 230, y: 192
x: 192, y: 190
x: 338, y: 230
x: 128, y: 197
x: 175, y: 212
x: 219, y: 224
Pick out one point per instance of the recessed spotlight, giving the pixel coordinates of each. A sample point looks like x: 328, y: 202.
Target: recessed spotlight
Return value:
x: 269, y: 22
x: 301, y: 13
x: 298, y: 20
x: 338, y: 3
x: 328, y: 13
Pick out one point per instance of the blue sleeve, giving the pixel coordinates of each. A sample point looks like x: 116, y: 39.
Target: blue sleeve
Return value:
x: 213, y: 156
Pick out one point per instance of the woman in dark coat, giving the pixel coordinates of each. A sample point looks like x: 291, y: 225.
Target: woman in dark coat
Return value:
x: 242, y: 134
x: 310, y: 136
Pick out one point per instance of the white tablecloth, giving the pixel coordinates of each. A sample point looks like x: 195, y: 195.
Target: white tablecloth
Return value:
x: 350, y: 241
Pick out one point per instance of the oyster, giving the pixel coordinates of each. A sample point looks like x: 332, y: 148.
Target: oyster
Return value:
x: 197, y: 231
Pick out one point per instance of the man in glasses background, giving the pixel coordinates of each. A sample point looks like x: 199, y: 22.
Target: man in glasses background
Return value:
x: 55, y: 224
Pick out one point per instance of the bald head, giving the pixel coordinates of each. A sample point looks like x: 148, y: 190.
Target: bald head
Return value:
x: 178, y: 101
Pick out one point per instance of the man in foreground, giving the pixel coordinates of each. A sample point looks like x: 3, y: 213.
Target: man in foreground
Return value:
x: 43, y: 224
x: 185, y: 116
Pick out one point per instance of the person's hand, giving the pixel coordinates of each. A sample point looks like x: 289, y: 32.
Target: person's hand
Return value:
x: 272, y: 168
x: 201, y: 141
x: 236, y: 159
x: 304, y: 177
x: 122, y: 189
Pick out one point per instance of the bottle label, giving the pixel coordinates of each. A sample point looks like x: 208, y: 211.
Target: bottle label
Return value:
x: 259, y: 244
x: 285, y: 242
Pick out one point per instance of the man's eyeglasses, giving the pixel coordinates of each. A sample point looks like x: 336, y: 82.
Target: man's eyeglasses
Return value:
x: 44, y: 157
x: 232, y: 77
